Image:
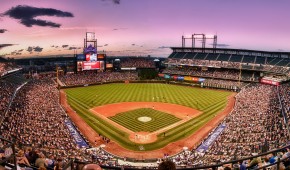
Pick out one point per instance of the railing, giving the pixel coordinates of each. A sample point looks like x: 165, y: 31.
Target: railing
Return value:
x: 10, y: 102
x: 9, y: 156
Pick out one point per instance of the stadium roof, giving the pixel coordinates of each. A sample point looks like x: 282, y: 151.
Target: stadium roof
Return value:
x: 281, y: 54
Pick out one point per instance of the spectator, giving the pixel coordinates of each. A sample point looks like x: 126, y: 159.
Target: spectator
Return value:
x: 91, y: 167
x: 21, y: 159
x: 166, y: 165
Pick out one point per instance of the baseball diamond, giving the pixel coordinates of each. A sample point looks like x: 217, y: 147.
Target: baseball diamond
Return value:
x: 113, y: 110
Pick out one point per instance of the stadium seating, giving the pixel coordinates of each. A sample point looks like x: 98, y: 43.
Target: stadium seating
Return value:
x: 246, y: 62
x: 137, y: 62
x: 94, y: 77
x: 256, y: 125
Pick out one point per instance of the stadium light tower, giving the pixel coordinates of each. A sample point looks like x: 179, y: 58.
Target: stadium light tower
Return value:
x: 90, y: 38
x: 200, y: 37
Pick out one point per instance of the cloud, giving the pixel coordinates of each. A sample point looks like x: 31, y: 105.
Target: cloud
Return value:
x: 27, y: 14
x: 29, y: 49
x: 2, y: 30
x: 72, y: 48
x: 15, y: 53
x: 37, y: 49
x: 133, y: 44
x: 106, y: 44
x: 54, y: 46
x: 114, y: 1
x: 116, y: 29
x: 34, y: 49
x: 64, y: 46
x: 5, y: 45
x: 20, y: 50
x: 162, y: 47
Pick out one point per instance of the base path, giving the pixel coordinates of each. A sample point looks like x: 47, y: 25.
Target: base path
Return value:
x: 171, y: 149
x: 182, y: 112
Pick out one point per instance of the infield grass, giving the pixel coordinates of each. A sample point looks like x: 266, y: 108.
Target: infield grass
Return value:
x: 158, y: 120
x: 210, y: 102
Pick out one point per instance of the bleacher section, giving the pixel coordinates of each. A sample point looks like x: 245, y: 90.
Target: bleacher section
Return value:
x: 248, y: 61
x: 172, y: 55
x: 260, y: 60
x: 179, y: 55
x: 211, y: 56
x: 189, y: 56
x: 223, y: 57
x: 200, y: 56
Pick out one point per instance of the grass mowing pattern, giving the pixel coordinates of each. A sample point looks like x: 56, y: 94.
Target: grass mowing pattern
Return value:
x: 209, y: 101
x: 130, y: 120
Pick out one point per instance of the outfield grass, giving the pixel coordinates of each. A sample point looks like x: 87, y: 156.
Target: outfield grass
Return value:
x: 209, y: 101
x: 130, y: 120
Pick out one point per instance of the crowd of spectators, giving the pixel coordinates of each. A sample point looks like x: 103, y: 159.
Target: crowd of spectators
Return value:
x: 6, y: 89
x: 225, y: 84
x: 254, y: 126
x: 211, y: 63
x: 137, y: 62
x: 8, y: 86
x: 284, y: 91
x: 94, y: 77
x: 210, y: 72
x: 5, y: 67
x: 36, y: 123
x: 254, y: 123
x: 36, y: 120
x: 280, y: 69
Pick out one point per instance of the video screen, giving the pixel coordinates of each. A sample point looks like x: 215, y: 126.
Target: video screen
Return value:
x: 88, y: 65
x: 91, y: 57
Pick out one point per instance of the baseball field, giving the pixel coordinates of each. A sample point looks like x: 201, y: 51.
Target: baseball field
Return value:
x: 146, y: 116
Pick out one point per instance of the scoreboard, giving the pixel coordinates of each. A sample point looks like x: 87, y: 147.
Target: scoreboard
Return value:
x: 90, y: 61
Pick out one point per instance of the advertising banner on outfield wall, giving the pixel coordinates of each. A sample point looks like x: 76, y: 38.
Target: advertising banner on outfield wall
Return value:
x: 201, y: 79
x: 75, y: 134
x: 161, y: 75
x: 174, y: 77
x: 210, y: 140
x: 180, y: 78
x: 167, y: 76
x: 194, y: 79
x: 187, y: 78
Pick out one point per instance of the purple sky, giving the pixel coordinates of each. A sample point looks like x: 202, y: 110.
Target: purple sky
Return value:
x: 145, y: 27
